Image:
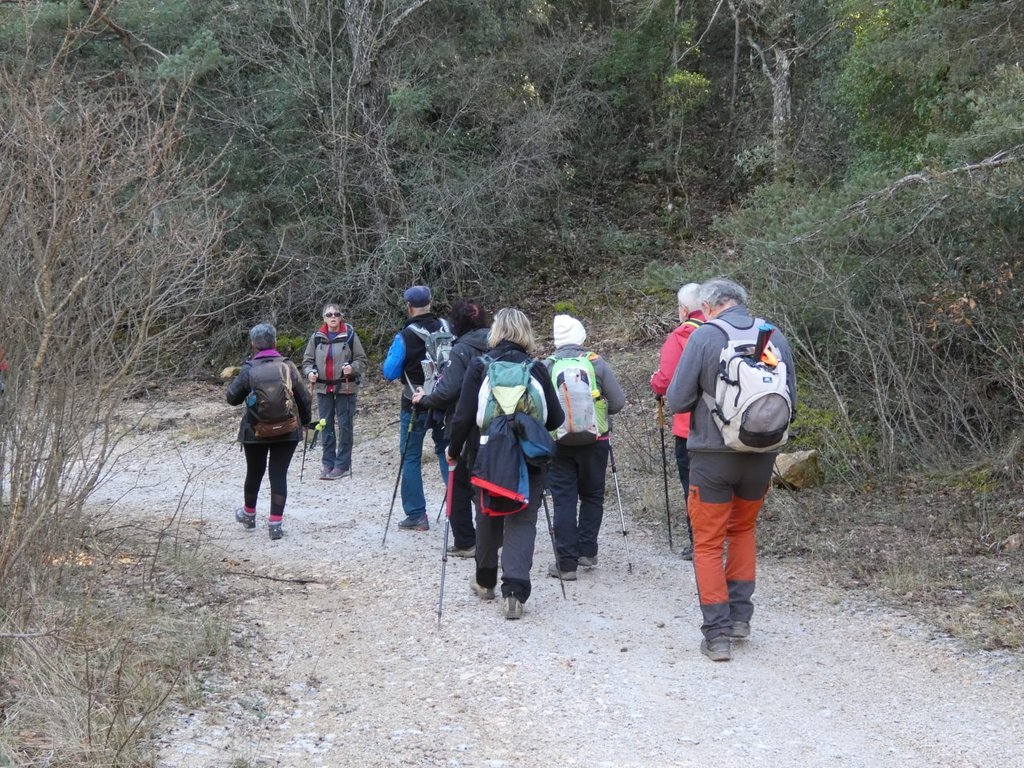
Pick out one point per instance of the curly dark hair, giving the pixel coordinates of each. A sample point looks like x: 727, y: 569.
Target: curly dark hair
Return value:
x: 466, y: 315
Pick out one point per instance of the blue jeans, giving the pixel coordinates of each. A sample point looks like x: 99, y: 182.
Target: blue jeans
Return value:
x: 412, y: 462
x: 341, y: 408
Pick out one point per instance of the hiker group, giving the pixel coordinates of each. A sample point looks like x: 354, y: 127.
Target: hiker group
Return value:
x: 509, y: 430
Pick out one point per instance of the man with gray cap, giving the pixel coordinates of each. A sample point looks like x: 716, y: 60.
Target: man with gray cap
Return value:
x: 576, y: 474
x: 403, y: 361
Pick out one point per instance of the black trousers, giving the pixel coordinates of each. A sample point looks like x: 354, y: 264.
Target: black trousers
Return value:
x: 683, y: 465
x: 257, y: 456
x: 463, y: 532
x: 576, y: 477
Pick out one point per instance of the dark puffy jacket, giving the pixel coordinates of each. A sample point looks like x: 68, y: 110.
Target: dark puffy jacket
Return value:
x: 467, y: 348
x: 240, y: 387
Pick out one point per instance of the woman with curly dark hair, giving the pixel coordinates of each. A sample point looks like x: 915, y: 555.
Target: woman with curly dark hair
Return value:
x: 470, y: 324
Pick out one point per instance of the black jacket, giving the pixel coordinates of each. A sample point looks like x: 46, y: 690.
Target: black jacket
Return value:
x: 415, y: 351
x: 239, y: 389
x: 464, y: 434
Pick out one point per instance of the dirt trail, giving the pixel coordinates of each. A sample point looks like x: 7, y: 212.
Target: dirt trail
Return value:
x: 352, y: 669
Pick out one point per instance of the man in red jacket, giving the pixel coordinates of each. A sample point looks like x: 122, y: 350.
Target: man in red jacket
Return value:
x: 690, y: 318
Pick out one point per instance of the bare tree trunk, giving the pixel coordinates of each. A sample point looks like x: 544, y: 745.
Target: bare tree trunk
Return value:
x: 773, y: 24
x: 779, y: 72
x: 781, y: 78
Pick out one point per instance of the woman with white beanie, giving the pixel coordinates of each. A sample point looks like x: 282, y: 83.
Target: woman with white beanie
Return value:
x: 576, y: 476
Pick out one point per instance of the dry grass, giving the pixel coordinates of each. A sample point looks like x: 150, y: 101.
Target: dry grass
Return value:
x: 126, y: 630
x: 947, y: 555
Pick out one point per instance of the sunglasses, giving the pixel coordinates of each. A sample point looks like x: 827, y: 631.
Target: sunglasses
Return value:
x: 332, y: 314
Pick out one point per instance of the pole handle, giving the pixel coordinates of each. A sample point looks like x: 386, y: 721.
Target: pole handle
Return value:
x: 764, y: 333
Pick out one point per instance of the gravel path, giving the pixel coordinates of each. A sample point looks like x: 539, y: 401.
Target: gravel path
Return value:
x: 340, y: 660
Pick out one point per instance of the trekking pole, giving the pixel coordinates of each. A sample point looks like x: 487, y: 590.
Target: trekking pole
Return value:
x: 554, y: 548
x: 618, y: 496
x: 401, y: 462
x: 305, y: 448
x: 444, y: 544
x: 450, y: 469
x: 312, y: 443
x: 664, y: 471
x: 440, y: 510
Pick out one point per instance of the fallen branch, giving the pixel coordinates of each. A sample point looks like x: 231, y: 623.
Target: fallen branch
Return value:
x: 25, y: 635
x: 252, y: 575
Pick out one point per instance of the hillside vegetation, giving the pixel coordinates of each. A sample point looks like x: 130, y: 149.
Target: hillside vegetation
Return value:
x: 174, y: 171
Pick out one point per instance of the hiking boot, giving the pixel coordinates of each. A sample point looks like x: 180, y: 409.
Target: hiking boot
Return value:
x: 337, y: 473
x: 484, y: 593
x: 588, y: 562
x: 564, y: 575
x: 511, y: 608
x: 325, y: 474
x: 718, y: 649
x: 414, y: 523
x: 275, y: 530
x: 740, y: 630
x: 686, y: 552
x: 243, y: 517
x: 467, y: 552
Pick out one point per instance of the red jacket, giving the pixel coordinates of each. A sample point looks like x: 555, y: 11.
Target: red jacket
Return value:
x: 671, y: 351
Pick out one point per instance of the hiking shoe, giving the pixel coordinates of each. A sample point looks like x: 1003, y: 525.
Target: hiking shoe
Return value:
x: 326, y: 474
x: 414, y: 523
x: 337, y: 473
x: 467, y: 552
x: 718, y: 649
x: 484, y: 593
x: 275, y: 530
x: 686, y: 552
x: 588, y: 562
x: 511, y: 608
x: 740, y: 630
x: 564, y: 575
x: 247, y: 520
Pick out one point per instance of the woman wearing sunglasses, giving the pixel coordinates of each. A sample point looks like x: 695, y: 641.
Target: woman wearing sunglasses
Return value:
x: 333, y: 362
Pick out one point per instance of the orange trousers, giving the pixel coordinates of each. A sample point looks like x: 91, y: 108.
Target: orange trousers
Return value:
x: 724, y: 560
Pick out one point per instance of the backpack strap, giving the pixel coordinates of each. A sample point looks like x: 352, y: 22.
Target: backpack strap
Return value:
x: 693, y: 321
x: 350, y: 333
x: 419, y: 330
x: 720, y: 325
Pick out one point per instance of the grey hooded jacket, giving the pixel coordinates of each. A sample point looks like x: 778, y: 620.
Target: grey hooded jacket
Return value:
x: 697, y: 373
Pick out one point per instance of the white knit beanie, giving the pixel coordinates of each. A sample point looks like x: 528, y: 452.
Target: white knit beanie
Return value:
x: 568, y: 330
